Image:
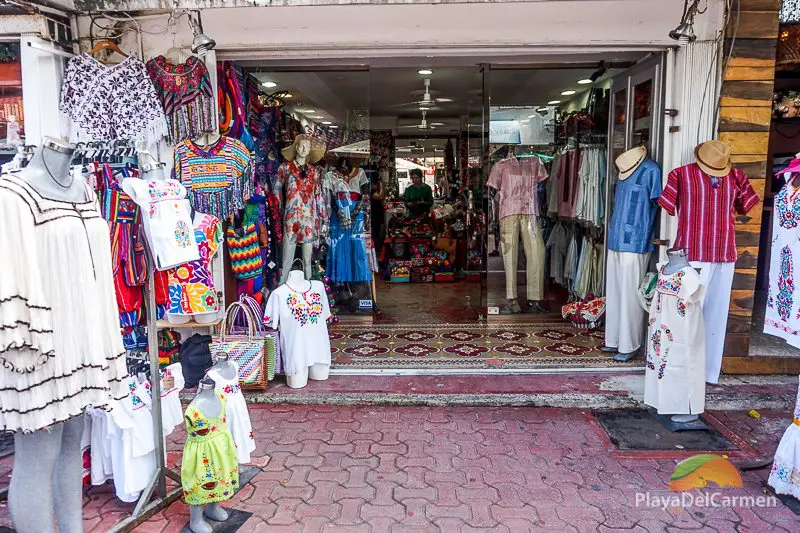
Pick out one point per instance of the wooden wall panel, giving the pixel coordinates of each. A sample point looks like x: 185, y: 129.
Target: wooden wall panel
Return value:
x: 745, y: 121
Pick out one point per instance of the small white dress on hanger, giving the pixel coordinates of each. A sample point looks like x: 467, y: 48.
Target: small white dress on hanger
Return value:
x: 171, y: 409
x: 236, y: 412
x: 167, y: 220
x: 785, y: 474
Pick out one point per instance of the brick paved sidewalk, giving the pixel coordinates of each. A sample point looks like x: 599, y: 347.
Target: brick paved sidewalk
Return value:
x: 377, y: 469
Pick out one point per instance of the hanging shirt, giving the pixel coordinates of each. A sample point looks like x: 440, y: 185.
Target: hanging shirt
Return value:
x: 305, y: 208
x: 516, y: 181
x: 706, y: 207
x: 301, y: 318
x: 635, y: 209
x: 191, y: 285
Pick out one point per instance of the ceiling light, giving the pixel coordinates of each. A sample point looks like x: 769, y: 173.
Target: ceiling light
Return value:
x: 584, y: 81
x: 327, y: 122
x: 201, y: 43
x: 569, y: 92
x: 444, y: 99
x: 307, y: 111
x: 554, y: 102
x: 288, y: 95
x: 438, y: 124
x: 684, y: 33
x: 317, y: 117
x: 269, y: 84
x: 541, y: 110
x: 425, y: 72
x: 531, y: 116
x: 334, y: 127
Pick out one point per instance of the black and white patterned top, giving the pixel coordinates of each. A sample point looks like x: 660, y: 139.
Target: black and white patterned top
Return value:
x: 106, y: 102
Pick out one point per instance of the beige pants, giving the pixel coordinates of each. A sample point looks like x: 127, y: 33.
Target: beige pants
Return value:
x: 514, y: 228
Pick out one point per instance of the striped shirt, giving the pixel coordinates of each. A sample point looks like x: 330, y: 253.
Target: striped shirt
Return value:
x: 706, y: 211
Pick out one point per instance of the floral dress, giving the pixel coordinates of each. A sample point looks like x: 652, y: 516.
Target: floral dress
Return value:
x: 191, y: 285
x: 783, y: 303
x: 675, y: 372
x: 785, y: 474
x: 304, y: 205
x: 209, y: 470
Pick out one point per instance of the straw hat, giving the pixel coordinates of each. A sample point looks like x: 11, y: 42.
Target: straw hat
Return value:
x: 317, y: 149
x: 629, y: 161
x: 714, y: 158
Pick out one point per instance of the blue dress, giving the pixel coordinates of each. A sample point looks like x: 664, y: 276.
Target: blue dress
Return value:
x: 347, y: 254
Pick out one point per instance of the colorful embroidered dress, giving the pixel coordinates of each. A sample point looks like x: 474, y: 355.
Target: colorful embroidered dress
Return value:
x: 186, y: 93
x: 191, y: 285
x: 304, y: 204
x: 104, y: 102
x: 209, y: 469
x: 347, y: 258
x: 675, y: 372
x: 785, y: 474
x: 246, y: 261
x: 301, y: 318
x: 783, y: 302
x: 218, y: 178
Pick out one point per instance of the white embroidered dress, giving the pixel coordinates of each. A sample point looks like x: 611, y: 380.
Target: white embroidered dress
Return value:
x: 785, y: 474
x: 783, y: 302
x: 236, y: 412
x: 675, y: 372
x: 301, y: 318
x: 60, y: 344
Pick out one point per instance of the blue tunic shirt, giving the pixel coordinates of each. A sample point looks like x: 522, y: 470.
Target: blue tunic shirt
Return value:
x: 635, y: 210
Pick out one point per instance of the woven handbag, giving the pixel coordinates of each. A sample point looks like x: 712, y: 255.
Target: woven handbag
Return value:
x: 249, y: 350
x: 239, y: 327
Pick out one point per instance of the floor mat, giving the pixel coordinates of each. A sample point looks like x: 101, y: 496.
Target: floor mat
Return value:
x: 459, y: 346
x: 638, y: 430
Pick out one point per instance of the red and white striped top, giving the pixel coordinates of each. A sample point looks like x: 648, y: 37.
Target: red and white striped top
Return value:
x: 706, y: 224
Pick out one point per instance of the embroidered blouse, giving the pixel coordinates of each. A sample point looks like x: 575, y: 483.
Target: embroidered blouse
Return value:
x: 103, y: 102
x: 218, y: 178
x: 185, y: 91
x: 305, y: 208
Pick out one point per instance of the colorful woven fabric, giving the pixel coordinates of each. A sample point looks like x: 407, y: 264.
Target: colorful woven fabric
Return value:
x: 218, y: 178
x: 246, y: 261
x: 186, y: 93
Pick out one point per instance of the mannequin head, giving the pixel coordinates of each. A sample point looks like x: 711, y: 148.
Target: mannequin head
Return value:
x: 303, y: 150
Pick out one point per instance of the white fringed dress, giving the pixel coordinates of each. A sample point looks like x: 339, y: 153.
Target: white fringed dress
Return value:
x: 60, y: 343
x: 785, y: 474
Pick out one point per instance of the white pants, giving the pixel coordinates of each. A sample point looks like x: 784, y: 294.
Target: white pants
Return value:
x: 717, y: 278
x: 514, y: 228
x: 624, y: 314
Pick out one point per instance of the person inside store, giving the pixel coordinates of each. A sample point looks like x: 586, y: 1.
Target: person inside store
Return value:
x: 418, y: 196
x: 377, y: 212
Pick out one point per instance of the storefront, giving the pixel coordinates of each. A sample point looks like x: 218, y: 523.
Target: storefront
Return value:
x: 364, y: 94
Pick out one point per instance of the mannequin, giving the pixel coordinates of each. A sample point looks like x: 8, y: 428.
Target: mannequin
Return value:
x: 706, y: 196
x: 515, y: 182
x: 47, y: 462
x: 301, y: 181
x: 317, y: 372
x: 629, y: 245
x: 207, y: 402
x: 225, y: 374
x: 223, y: 366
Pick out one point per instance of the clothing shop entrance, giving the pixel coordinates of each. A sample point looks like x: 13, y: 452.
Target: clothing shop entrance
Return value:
x: 462, y: 206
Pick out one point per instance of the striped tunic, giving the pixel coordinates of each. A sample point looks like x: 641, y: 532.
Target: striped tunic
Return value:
x: 706, y: 208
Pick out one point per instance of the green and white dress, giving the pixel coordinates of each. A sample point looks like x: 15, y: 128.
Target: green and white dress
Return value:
x: 210, y: 469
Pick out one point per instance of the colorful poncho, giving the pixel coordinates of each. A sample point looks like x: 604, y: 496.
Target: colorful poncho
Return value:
x: 186, y: 93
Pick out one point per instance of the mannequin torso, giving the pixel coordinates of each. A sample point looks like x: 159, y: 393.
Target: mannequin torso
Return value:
x: 206, y: 400
x: 677, y: 261
x: 297, y: 281
x: 224, y: 368
x: 49, y: 173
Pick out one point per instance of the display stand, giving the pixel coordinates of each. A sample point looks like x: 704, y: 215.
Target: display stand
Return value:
x: 155, y: 496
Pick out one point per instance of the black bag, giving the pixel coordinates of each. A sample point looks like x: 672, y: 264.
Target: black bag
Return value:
x: 195, y: 359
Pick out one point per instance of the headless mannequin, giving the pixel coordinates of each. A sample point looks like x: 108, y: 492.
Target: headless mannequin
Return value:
x: 624, y: 167
x: 678, y: 261
x: 318, y: 372
x: 306, y: 248
x: 223, y: 366
x: 47, y: 463
x: 208, y: 403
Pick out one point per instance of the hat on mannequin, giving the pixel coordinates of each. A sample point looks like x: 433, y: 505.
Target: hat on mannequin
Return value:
x: 629, y: 161
x: 714, y: 158
x: 317, y: 149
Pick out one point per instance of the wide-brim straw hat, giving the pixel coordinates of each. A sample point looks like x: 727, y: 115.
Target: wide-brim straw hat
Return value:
x: 317, y: 149
x: 629, y: 161
x: 714, y: 158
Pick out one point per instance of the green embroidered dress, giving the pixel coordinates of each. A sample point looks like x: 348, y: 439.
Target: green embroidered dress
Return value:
x: 210, y: 469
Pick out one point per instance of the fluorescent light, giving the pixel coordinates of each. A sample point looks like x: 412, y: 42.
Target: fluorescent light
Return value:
x: 541, y: 110
x: 334, y: 127
x: 569, y: 92
x: 425, y: 72
x: 269, y: 84
x: 317, y: 117
x: 308, y: 111
x: 444, y: 99
x: 327, y: 122
x: 554, y: 102
x: 585, y: 81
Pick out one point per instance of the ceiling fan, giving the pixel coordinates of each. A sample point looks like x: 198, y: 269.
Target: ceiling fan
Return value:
x: 427, y: 99
x: 423, y: 123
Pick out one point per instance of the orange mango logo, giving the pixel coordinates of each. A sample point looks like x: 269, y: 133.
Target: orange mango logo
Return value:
x: 695, y: 473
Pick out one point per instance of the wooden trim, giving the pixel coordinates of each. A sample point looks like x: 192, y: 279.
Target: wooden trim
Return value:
x: 753, y: 25
x: 757, y: 364
x: 746, y: 142
x: 758, y: 5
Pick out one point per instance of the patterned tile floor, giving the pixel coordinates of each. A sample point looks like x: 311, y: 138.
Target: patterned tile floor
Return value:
x: 461, y: 346
x: 393, y: 469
